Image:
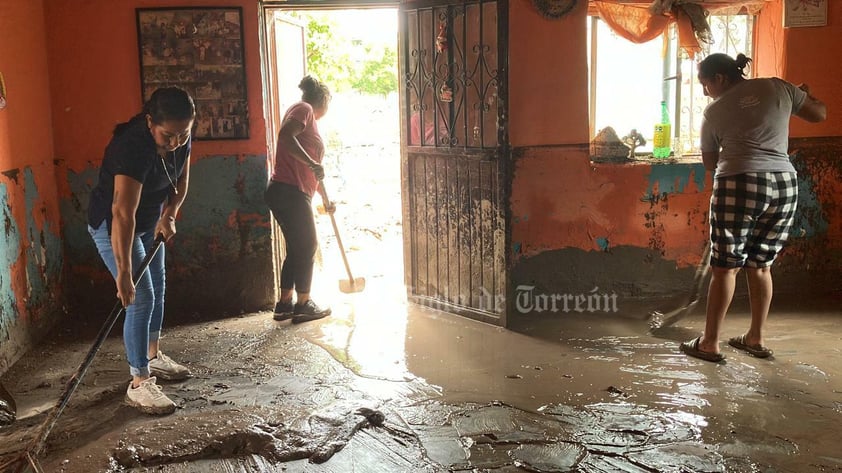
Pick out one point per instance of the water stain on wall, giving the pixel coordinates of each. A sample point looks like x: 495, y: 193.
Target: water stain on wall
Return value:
x: 44, y: 259
x: 9, y: 255
x: 31, y: 249
x: 220, y: 261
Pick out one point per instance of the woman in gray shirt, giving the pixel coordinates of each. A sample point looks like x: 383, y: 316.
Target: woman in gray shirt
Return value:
x: 745, y: 137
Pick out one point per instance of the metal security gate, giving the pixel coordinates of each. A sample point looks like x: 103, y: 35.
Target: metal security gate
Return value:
x: 453, y: 58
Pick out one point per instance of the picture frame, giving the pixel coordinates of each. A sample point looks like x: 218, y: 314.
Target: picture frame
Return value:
x: 199, y: 49
x: 805, y: 13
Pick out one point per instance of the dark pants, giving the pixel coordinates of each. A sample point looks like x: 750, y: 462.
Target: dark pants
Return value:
x: 294, y: 213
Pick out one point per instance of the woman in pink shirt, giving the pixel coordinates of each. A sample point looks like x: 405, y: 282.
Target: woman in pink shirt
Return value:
x: 298, y: 172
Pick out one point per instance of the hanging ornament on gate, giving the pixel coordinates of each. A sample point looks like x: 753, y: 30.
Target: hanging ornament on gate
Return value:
x: 445, y: 93
x: 441, y: 38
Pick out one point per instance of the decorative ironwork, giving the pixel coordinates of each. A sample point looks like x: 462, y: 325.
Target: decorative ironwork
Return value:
x: 452, y: 75
x: 453, y: 62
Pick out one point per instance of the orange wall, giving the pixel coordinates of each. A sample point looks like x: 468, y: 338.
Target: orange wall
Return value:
x: 30, y: 245
x: 221, y: 258
x: 649, y: 217
x: 812, y: 57
x: 23, y: 62
x: 565, y: 201
x: 803, y: 55
x: 548, y: 73
x: 94, y: 59
x: 548, y: 76
x: 769, y: 57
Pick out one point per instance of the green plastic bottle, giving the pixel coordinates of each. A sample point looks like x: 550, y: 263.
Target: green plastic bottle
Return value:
x: 663, y: 134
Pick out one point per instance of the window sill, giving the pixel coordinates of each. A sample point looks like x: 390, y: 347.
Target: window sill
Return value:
x: 649, y: 159
x: 683, y: 159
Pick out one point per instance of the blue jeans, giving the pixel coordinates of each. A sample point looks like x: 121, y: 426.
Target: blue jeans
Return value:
x: 145, y: 316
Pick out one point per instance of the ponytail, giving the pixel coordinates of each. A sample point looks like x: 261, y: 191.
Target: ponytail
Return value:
x: 724, y: 64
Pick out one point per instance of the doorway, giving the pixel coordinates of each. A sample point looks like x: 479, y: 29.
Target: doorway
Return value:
x: 360, y: 132
x: 442, y: 193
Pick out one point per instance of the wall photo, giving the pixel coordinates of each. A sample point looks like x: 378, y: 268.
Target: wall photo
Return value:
x: 200, y: 50
x: 804, y: 13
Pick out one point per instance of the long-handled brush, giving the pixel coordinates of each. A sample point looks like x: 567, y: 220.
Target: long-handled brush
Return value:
x: 27, y: 461
x: 351, y: 284
x: 658, y: 320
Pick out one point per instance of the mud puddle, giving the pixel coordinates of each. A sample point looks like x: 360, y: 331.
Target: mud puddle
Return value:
x: 454, y: 395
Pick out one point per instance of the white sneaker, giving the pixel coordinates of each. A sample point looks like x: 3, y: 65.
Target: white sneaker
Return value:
x: 164, y: 367
x: 149, y: 399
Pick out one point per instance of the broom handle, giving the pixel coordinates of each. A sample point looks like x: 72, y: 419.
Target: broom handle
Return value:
x: 39, y: 442
x: 336, y: 232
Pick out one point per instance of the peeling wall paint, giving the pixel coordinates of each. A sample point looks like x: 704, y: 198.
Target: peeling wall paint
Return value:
x: 44, y: 255
x: 639, y: 229
x: 809, y: 220
x: 812, y: 260
x: 219, y: 262
x: 74, y: 207
x: 639, y: 225
x: 633, y: 229
x: 674, y: 179
x: 9, y: 254
x: 31, y: 292
x: 560, y: 199
x: 603, y: 243
x: 225, y: 208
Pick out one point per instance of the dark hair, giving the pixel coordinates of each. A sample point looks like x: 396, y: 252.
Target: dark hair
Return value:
x: 165, y: 104
x: 315, y: 92
x: 718, y: 63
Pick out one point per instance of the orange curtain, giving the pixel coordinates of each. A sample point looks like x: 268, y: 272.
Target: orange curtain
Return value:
x: 687, y: 39
x: 632, y: 21
x: 636, y: 23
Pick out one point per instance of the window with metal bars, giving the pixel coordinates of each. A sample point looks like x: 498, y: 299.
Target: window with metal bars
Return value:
x: 629, y: 81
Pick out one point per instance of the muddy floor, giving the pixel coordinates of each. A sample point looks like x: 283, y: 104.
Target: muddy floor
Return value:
x: 383, y: 386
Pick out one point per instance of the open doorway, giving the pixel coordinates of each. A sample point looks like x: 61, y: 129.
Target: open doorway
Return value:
x: 361, y: 133
x: 449, y: 189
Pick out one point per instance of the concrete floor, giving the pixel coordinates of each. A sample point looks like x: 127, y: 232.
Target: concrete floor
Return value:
x: 556, y: 393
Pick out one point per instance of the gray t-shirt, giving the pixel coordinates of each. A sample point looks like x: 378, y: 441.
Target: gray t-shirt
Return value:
x: 749, y: 126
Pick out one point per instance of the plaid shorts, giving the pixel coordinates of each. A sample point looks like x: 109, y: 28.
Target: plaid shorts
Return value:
x: 750, y: 218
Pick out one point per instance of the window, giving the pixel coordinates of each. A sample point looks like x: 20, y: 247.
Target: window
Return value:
x: 628, y: 81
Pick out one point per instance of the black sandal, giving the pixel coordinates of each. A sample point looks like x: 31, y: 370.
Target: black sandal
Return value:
x: 691, y: 348
x: 757, y: 350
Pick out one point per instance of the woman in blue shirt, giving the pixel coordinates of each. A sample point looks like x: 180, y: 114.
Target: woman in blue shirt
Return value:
x: 142, y: 184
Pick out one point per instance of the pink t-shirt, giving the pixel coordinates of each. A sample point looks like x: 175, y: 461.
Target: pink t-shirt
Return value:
x: 288, y: 169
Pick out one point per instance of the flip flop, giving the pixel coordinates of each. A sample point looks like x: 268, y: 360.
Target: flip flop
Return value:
x: 691, y: 348
x: 756, y: 350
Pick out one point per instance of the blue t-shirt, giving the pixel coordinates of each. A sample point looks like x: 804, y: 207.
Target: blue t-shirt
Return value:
x: 133, y: 153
